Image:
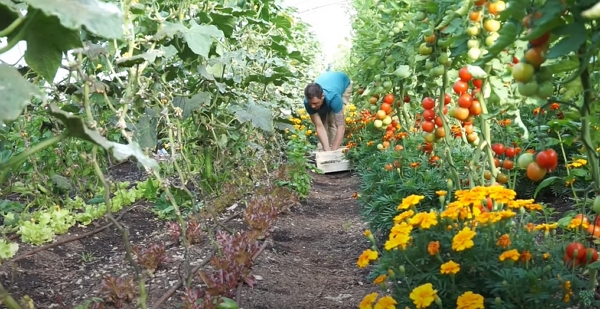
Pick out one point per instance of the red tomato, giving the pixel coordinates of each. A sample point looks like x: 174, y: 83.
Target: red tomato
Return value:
x: 575, y: 250
x: 389, y: 98
x: 428, y: 103
x: 464, y: 74
x: 591, y: 256
x: 498, y: 148
x: 447, y: 98
x: 428, y: 126
x: 460, y: 87
x: 465, y: 100
x: 428, y: 114
x: 547, y: 159
x: 477, y: 83
x: 510, y: 152
x: 535, y: 172
x: 406, y: 99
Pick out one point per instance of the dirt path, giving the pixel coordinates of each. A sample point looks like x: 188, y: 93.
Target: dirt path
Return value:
x: 312, y: 262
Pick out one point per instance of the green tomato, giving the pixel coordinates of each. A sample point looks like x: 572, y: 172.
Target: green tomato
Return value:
x: 522, y: 72
x: 596, y: 205
x: 443, y: 59
x: 425, y: 50
x: 544, y: 74
x: 524, y: 160
x: 528, y: 89
x: 545, y: 90
x: 387, y: 84
x: 437, y: 71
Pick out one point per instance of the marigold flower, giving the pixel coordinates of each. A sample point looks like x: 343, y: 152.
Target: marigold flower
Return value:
x: 470, y: 300
x: 510, y: 255
x: 403, y: 216
x: 380, y: 279
x: 578, y: 222
x: 415, y: 164
x: 463, y: 240
x: 554, y: 106
x: 546, y: 227
x: 546, y: 255
x: 503, y: 241
x: 423, y: 296
x: 449, y: 267
x: 577, y: 163
x: 433, y: 247
x: 425, y: 220
x: 367, y: 256
x: 441, y: 192
x: 386, y: 302
x: 368, y: 301
x: 367, y: 233
x: 410, y: 201
x: 525, y: 256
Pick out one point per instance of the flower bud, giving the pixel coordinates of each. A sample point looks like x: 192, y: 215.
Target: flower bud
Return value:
x: 498, y: 301
x: 401, y: 269
x: 438, y: 301
x: 504, y: 283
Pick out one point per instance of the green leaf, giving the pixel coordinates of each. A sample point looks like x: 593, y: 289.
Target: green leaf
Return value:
x: 100, y: 18
x: 564, y: 222
x: 47, y: 40
x: 578, y: 35
x: 78, y: 129
x: 16, y: 93
x: 200, y: 38
x: 564, y: 65
x: 573, y: 89
x: 595, y: 265
x: 197, y: 101
x: 260, y: 116
x: 145, y: 132
x: 61, y: 183
x: 169, y: 30
x: 545, y: 183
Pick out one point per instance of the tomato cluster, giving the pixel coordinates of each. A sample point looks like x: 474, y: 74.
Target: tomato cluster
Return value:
x: 507, y: 163
x: 385, y: 118
x: 537, y: 166
x: 431, y: 123
x: 468, y: 105
x: 577, y: 254
x: 533, y: 79
x: 478, y: 19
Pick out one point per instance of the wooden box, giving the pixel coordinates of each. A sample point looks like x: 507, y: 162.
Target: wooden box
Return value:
x: 332, y: 161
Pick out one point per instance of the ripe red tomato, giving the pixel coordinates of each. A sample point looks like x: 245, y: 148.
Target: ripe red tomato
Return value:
x: 477, y: 83
x: 447, y: 99
x: 464, y: 74
x: 547, y: 159
x: 475, y: 108
x: 510, y: 152
x: 541, y: 40
x: 465, y: 100
x: 460, y: 87
x: 407, y: 99
x: 389, y: 98
x: 428, y: 126
x: 535, y: 172
x: 498, y: 148
x: 428, y: 103
x: 428, y: 114
x: 438, y: 121
x: 591, y: 256
x: 575, y: 250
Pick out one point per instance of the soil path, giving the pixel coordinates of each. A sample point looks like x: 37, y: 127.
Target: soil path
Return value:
x: 312, y: 262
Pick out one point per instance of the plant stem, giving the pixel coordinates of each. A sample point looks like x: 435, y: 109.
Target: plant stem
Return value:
x: 8, y: 300
x: 12, y: 27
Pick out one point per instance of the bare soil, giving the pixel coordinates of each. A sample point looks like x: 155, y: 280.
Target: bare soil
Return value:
x: 310, y: 261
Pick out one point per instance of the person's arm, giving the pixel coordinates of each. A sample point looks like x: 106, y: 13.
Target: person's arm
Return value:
x: 340, y: 122
x: 321, y: 132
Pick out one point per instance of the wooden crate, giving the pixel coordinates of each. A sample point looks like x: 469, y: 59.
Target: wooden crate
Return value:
x: 332, y: 161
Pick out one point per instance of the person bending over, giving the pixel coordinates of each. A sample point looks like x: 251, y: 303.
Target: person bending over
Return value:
x: 324, y: 101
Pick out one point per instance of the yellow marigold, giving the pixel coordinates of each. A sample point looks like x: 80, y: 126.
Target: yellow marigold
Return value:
x: 449, y: 267
x: 510, y: 255
x: 367, y: 301
x: 367, y: 233
x: 441, y: 193
x: 470, y: 300
x: 423, y: 296
x: 367, y: 256
x: 501, y: 194
x: 568, y: 291
x: 386, y: 302
x: 451, y: 212
x: 380, y: 279
x: 410, y: 201
x: 506, y: 214
x: 401, y: 240
x: 425, y: 220
x: 503, y: 241
x: 463, y: 240
x: 546, y: 255
x: 488, y: 217
x: 529, y: 227
x: 403, y: 216
x: 433, y: 247
x: 546, y: 227
x: 578, y: 222
x: 516, y: 204
x: 577, y: 163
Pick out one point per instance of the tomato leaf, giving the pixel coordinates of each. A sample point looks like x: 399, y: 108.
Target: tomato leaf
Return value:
x: 564, y: 222
x: 545, y: 183
x: 564, y: 65
x: 570, y: 43
x: 573, y: 89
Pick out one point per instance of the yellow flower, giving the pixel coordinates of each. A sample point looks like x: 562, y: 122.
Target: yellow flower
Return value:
x: 433, y: 247
x: 525, y: 256
x: 386, y: 302
x: 410, y: 201
x: 367, y: 233
x: 463, y: 239
x: 488, y: 217
x: 365, y: 257
x: 368, y: 301
x: 546, y: 227
x: 380, y: 279
x: 424, y: 220
x: 469, y: 300
x: 546, y: 256
x: 503, y: 241
x: 577, y: 163
x: 399, y: 236
x: 308, y: 132
x: 403, y: 216
x: 578, y: 222
x: 423, y: 296
x: 510, y: 255
x: 441, y: 192
x: 449, y: 267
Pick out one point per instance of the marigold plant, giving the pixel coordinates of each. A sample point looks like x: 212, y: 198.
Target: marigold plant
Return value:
x: 482, y: 248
